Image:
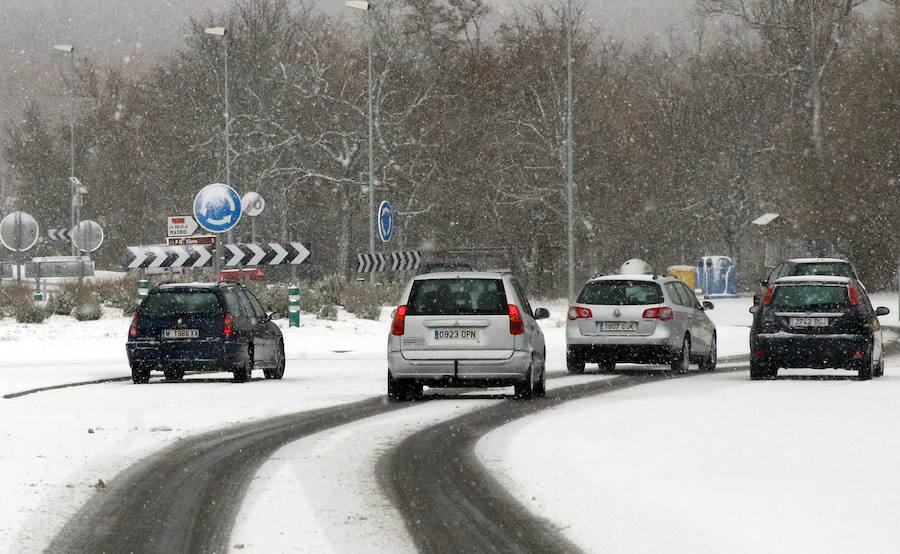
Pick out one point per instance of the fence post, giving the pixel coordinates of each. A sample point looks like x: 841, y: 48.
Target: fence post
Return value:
x: 143, y: 289
x: 294, y: 306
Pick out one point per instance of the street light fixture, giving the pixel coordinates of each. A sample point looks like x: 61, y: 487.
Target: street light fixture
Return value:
x: 366, y: 6
x: 221, y: 32
x: 76, y: 203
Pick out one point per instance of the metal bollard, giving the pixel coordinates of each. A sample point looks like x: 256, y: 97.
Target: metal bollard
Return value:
x: 143, y: 290
x: 294, y: 307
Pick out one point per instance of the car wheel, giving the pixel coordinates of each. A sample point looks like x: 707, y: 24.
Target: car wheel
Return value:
x: 878, y: 370
x: 540, y: 388
x: 682, y: 361
x: 280, y: 362
x: 526, y: 390
x: 174, y: 374
x: 140, y: 375
x: 866, y: 370
x: 762, y: 370
x: 606, y: 365
x: 708, y: 363
x: 402, y: 390
x: 245, y: 373
x: 574, y: 363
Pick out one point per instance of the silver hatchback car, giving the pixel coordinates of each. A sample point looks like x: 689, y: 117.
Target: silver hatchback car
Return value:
x: 471, y: 329
x: 639, y: 319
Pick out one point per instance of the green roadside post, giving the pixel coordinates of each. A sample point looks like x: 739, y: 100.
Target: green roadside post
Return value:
x: 294, y: 306
x: 143, y: 289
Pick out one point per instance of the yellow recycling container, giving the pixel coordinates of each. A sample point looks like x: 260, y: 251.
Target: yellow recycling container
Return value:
x: 685, y: 273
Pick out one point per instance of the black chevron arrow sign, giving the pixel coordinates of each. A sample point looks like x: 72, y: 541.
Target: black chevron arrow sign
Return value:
x: 143, y: 257
x: 265, y: 253
x: 394, y: 261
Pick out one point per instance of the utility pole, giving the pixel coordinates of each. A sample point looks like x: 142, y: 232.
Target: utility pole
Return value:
x: 569, y: 156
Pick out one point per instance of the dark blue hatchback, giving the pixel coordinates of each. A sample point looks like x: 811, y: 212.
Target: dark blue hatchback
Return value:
x: 204, y: 327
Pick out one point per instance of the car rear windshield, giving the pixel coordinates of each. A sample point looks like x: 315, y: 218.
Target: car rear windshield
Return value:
x: 457, y: 297
x: 181, y: 302
x: 809, y: 298
x: 825, y: 268
x: 621, y: 293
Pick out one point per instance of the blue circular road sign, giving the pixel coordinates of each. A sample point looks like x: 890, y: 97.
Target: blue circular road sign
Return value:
x: 385, y: 221
x: 217, y: 208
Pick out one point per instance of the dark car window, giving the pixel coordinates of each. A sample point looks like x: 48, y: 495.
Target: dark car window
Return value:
x: 457, y: 297
x: 624, y: 292
x: 689, y: 296
x: 246, y: 308
x: 676, y: 294
x: 164, y: 303
x: 257, y: 307
x: 231, y: 301
x: 521, y: 292
x: 809, y: 298
x: 826, y: 268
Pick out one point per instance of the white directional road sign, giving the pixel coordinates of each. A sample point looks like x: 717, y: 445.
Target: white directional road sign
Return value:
x: 181, y: 226
x: 253, y: 204
x: 18, y: 231
x: 217, y: 208
x: 87, y: 235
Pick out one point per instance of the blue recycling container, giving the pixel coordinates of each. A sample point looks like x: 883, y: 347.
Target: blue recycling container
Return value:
x: 716, y: 276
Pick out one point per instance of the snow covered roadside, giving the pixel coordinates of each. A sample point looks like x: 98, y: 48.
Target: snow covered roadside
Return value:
x: 716, y: 463
x: 59, y: 444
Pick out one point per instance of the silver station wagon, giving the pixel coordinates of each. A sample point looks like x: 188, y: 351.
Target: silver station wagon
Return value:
x: 639, y: 319
x: 465, y: 329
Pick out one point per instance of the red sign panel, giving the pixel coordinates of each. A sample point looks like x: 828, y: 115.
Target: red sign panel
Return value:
x: 190, y: 241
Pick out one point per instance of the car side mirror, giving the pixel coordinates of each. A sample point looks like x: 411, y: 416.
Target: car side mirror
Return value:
x: 881, y: 310
x: 274, y: 315
x: 707, y: 305
x: 541, y: 313
x: 764, y: 282
x: 754, y: 309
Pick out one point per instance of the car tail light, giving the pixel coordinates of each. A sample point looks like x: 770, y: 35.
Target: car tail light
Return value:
x: 516, y: 325
x: 854, y: 295
x: 664, y: 313
x: 229, y: 323
x: 767, y: 299
x: 399, y: 325
x: 577, y: 312
x: 133, y: 330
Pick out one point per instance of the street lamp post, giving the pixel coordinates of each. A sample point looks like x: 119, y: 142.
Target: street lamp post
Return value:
x: 221, y: 31
x: 362, y: 5
x: 569, y: 157
x: 69, y: 49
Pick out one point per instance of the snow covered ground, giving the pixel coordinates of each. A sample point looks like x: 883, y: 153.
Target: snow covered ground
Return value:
x: 668, y: 466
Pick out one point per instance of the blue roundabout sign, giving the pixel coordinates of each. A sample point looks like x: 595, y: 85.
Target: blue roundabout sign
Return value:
x: 385, y: 221
x: 217, y: 208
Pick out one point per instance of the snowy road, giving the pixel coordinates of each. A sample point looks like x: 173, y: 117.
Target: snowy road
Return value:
x: 307, y: 495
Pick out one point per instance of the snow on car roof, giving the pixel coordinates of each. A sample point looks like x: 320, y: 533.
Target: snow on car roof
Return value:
x: 814, y: 279
x: 461, y: 275
x: 633, y: 277
x: 194, y: 284
x: 817, y: 260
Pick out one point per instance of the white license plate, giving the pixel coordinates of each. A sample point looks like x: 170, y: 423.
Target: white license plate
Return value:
x: 180, y: 333
x: 809, y: 322
x: 617, y: 325
x: 456, y: 335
